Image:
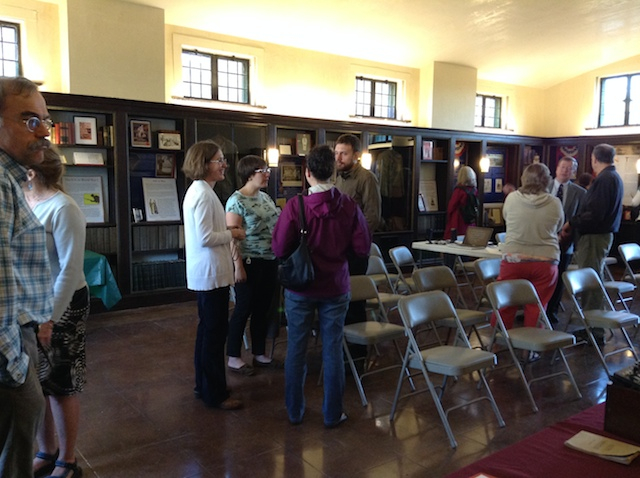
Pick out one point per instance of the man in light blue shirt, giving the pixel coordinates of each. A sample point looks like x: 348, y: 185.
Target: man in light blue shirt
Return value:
x: 26, y: 293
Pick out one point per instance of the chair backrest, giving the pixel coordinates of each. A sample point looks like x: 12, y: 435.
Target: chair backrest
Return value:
x: 376, y: 266
x: 501, y: 237
x: 362, y: 288
x: 434, y: 278
x: 402, y: 258
x: 424, y: 307
x: 375, y: 250
x: 578, y: 281
x: 488, y: 269
x: 629, y: 252
x: 506, y: 293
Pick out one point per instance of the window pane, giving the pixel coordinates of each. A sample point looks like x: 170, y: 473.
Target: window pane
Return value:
x: 9, y: 50
x: 634, y: 103
x: 612, y: 101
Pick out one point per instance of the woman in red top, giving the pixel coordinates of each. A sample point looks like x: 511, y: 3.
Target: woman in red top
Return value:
x: 466, y: 182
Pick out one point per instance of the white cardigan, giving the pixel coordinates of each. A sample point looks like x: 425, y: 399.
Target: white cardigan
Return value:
x: 207, y: 239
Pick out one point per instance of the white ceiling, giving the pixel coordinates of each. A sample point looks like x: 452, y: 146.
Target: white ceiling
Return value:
x: 536, y: 43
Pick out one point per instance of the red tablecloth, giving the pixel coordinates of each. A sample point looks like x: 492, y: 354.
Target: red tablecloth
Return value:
x: 544, y: 454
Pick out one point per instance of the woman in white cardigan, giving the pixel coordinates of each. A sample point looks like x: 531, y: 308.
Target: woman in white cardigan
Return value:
x: 209, y: 269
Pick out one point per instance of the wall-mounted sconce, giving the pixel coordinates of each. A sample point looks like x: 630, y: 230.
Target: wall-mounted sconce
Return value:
x: 366, y: 159
x: 273, y: 155
x: 638, y: 166
x: 484, y: 164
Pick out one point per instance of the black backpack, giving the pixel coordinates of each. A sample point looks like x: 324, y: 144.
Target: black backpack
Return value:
x: 470, y: 209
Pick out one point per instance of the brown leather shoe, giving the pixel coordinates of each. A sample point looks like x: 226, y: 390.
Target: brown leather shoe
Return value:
x: 230, y: 404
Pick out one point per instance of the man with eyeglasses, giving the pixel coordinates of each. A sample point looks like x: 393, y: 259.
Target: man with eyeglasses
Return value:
x: 26, y: 294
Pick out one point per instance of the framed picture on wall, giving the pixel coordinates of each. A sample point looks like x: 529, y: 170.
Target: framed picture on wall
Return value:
x: 303, y: 144
x: 85, y: 130
x: 140, y: 134
x: 291, y: 174
x: 165, y: 165
x: 169, y: 140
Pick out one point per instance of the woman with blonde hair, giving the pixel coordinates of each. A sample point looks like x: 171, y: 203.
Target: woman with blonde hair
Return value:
x: 466, y: 190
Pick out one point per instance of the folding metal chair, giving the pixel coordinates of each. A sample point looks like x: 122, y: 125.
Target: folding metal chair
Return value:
x: 403, y: 260
x: 586, y: 280
x: 369, y: 333
x: 543, y: 338
x: 419, y: 310
x: 442, y: 278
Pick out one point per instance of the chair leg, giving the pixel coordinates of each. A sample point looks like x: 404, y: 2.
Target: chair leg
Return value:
x: 571, y: 379
x: 494, y: 405
x: 441, y: 412
x: 516, y: 362
x: 354, y: 372
x: 405, y: 369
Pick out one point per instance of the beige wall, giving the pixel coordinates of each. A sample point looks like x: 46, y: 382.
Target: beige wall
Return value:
x: 291, y: 81
x: 39, y: 29
x: 454, y: 96
x: 572, y: 106
x: 524, y: 109
x: 116, y: 49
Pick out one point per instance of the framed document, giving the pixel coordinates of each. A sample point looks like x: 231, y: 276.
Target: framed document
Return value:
x: 85, y: 130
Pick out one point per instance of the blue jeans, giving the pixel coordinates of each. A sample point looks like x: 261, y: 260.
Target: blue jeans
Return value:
x: 300, y: 313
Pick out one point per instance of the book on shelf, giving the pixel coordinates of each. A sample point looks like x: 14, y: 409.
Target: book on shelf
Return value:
x: 603, y: 447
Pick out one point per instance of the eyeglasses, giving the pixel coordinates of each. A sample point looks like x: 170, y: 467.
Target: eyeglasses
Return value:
x: 218, y: 161
x: 34, y: 123
x: 263, y: 170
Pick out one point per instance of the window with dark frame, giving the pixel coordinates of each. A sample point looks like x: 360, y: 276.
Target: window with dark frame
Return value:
x: 10, y: 49
x: 215, y: 77
x: 376, y: 98
x: 488, y: 111
x: 619, y: 101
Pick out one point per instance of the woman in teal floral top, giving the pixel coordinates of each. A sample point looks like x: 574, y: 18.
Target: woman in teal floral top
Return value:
x: 254, y: 262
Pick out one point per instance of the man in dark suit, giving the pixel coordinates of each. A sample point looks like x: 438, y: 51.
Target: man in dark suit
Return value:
x: 571, y: 196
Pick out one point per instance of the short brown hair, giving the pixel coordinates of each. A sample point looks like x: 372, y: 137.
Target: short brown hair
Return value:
x: 351, y: 140
x: 195, y: 161
x: 247, y: 167
x: 535, y: 179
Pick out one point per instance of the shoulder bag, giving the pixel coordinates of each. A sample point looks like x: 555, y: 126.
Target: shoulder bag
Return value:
x: 296, y: 271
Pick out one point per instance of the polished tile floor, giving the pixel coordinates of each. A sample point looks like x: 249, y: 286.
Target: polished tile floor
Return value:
x: 140, y: 417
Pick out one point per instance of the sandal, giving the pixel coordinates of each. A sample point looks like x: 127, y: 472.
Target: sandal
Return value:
x: 46, y: 469
x: 246, y: 370
x: 68, y: 469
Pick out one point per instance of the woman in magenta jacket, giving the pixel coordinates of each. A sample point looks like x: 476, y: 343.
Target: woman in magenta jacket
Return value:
x: 336, y: 229
x: 467, y: 182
